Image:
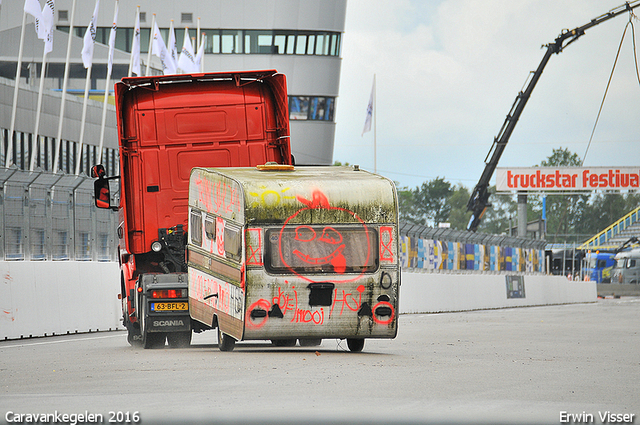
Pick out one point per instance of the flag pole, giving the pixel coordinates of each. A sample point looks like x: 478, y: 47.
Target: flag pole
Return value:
x: 197, y: 45
x: 87, y: 83
x: 171, y: 47
x: 34, y: 141
x: 133, y: 43
x: 375, y: 110
x: 112, y: 40
x: 153, y: 21
x: 9, y: 153
x: 204, y: 43
x: 64, y: 90
x: 47, y: 37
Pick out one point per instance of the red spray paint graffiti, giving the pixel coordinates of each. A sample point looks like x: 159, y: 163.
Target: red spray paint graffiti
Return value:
x: 288, y: 304
x: 386, y: 243
x: 254, y: 250
x: 218, y: 197
x: 329, y: 235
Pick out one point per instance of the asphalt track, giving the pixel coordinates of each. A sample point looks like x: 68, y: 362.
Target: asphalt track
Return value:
x: 534, y: 365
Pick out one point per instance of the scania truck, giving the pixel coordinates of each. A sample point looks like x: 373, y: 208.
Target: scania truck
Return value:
x: 167, y: 125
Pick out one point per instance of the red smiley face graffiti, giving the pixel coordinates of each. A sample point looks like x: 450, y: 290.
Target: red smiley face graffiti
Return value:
x: 317, y: 249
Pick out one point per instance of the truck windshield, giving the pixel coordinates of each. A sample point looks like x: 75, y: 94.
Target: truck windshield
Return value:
x: 321, y: 249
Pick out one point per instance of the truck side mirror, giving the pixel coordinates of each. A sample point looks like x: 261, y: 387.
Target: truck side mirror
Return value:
x: 97, y: 171
x: 102, y: 193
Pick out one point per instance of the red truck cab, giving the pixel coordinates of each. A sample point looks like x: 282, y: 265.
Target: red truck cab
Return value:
x: 168, y: 125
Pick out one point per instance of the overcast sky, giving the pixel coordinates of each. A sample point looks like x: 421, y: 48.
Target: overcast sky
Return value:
x: 448, y: 72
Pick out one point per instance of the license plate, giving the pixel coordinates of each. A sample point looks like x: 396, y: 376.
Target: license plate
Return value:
x: 169, y: 306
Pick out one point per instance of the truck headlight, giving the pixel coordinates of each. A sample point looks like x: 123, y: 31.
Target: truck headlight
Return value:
x: 156, y: 246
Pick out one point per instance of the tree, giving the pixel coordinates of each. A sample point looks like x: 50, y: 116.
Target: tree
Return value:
x: 427, y: 204
x: 459, y: 216
x: 498, y: 218
x: 562, y: 158
x: 604, y: 209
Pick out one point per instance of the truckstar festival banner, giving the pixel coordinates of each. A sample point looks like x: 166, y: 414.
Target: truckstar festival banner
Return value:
x: 554, y: 179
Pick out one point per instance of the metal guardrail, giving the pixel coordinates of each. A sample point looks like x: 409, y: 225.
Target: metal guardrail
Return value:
x: 449, y: 250
x: 51, y: 217
x: 468, y: 237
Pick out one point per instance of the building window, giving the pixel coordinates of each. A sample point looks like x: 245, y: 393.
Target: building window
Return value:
x: 143, y: 16
x: 259, y: 42
x: 315, y: 108
x: 301, y: 45
x: 298, y: 107
x: 232, y: 41
x: 186, y: 17
x: 335, y: 45
x: 63, y: 15
x: 279, y: 44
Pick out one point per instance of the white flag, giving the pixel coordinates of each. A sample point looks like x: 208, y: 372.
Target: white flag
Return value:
x: 90, y: 38
x: 135, y: 48
x: 160, y: 50
x: 32, y: 7
x: 112, y: 39
x: 200, y: 54
x: 44, y: 20
x: 172, y: 47
x: 187, y: 60
x: 367, y: 121
x: 48, y: 13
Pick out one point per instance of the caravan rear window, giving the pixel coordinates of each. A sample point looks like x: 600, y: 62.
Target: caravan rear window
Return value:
x: 321, y: 249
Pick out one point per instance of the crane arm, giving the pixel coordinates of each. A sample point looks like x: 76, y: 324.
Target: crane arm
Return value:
x: 479, y: 200
x: 627, y: 244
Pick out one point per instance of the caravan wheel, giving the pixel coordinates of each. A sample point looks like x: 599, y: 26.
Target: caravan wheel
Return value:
x: 225, y: 342
x: 355, y: 344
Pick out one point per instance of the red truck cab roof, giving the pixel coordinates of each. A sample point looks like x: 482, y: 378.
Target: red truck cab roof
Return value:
x: 169, y: 124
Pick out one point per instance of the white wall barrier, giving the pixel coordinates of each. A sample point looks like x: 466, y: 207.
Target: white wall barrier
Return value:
x: 60, y: 297
x: 39, y: 298
x: 441, y: 292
